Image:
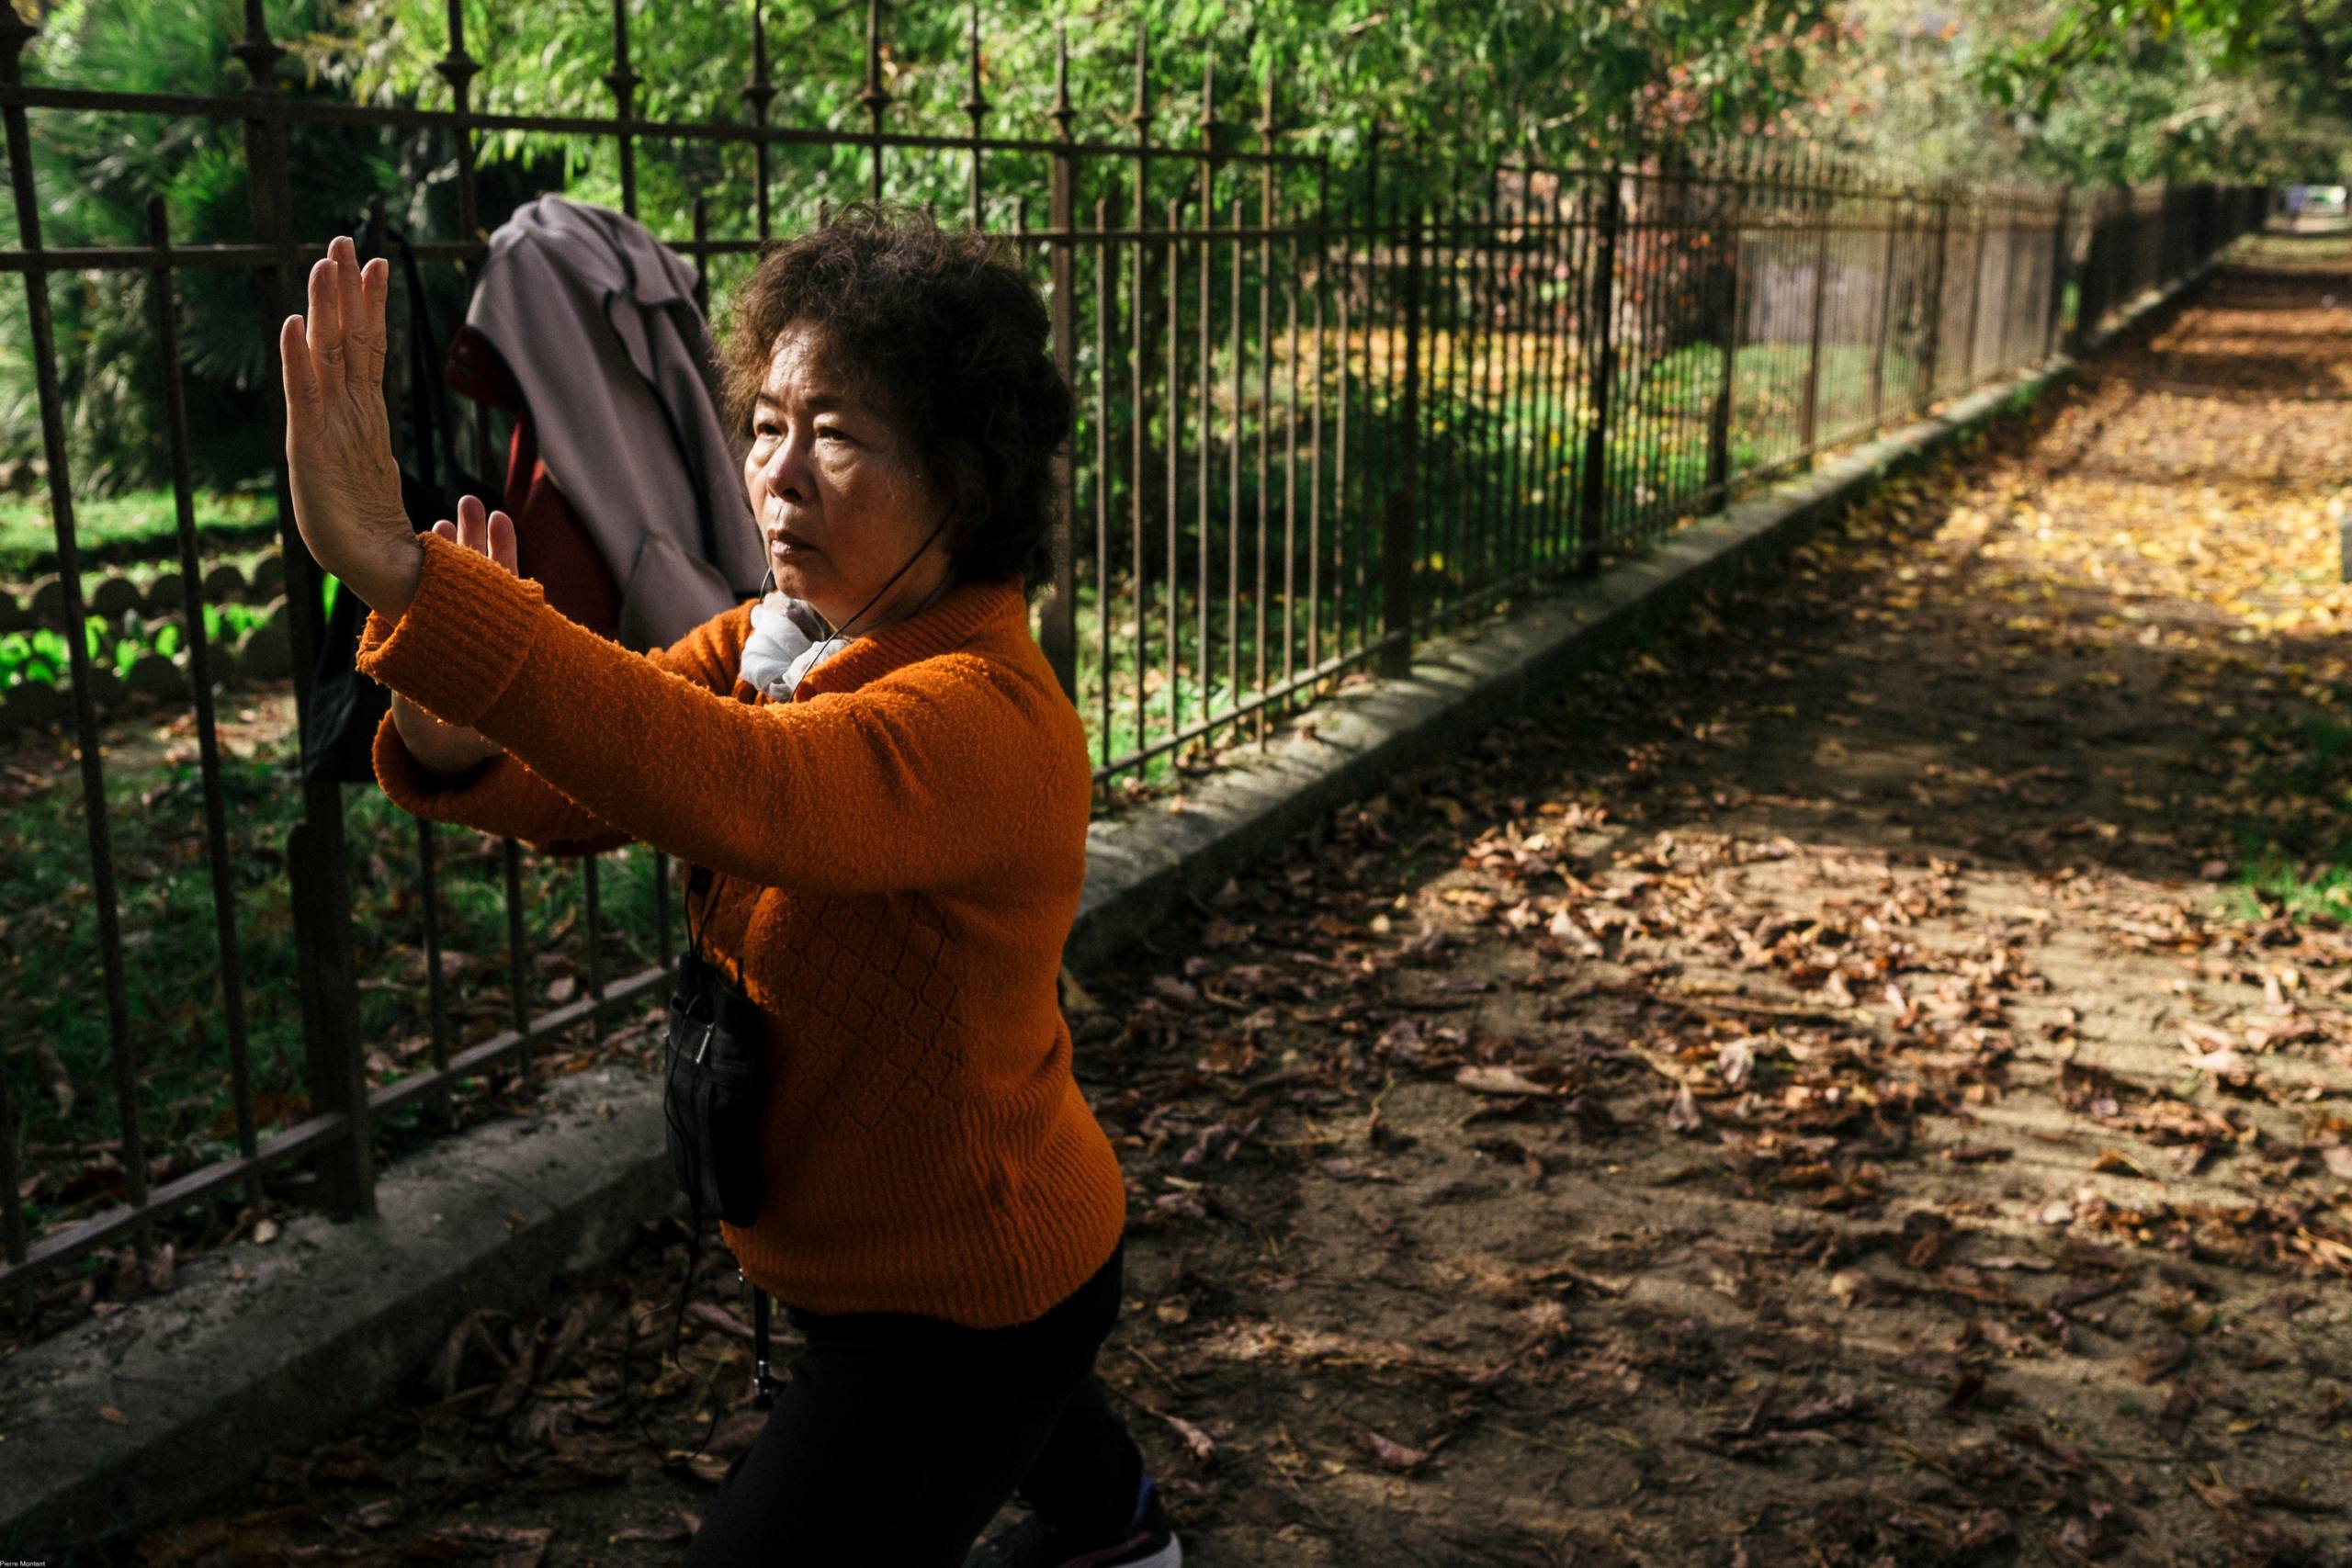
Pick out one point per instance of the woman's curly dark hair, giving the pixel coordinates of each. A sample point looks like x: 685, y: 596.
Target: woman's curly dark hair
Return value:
x: 942, y: 330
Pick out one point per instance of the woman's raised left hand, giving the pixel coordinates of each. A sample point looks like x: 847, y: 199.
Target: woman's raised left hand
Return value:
x: 345, y: 483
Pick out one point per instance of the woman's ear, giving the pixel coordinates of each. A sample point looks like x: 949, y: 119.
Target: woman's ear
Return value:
x: 967, y: 511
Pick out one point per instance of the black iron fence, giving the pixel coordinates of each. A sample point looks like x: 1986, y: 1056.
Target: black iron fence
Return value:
x: 1324, y: 412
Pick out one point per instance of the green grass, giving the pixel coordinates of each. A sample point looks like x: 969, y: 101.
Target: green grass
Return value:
x: 137, y: 524
x: 2274, y: 884
x: 2295, y: 847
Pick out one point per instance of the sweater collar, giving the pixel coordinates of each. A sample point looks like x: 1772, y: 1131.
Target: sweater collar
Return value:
x: 957, y: 616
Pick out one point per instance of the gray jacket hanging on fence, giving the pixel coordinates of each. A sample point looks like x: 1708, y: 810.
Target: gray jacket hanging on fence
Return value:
x: 597, y: 320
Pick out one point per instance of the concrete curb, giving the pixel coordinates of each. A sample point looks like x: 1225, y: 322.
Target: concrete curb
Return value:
x: 265, y: 1349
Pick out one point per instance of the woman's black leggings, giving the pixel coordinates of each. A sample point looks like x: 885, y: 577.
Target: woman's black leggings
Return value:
x: 899, y: 1436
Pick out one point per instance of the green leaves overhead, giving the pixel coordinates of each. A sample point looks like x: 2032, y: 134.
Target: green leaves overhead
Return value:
x: 1466, y: 84
x: 2264, y: 67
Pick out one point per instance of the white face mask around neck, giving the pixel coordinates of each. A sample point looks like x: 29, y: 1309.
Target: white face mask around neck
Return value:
x: 788, y: 636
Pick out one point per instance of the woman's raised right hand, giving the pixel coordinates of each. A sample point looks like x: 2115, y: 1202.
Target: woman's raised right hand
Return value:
x: 451, y: 749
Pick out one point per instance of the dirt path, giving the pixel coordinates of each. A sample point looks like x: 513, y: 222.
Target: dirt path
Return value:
x: 1802, y: 1098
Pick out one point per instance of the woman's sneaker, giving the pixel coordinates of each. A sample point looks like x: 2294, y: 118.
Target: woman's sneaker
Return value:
x: 1149, y: 1543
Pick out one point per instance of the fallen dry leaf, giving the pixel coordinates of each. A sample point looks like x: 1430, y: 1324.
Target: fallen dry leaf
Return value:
x: 1498, y: 1079
x: 1390, y: 1454
x: 1197, y: 1442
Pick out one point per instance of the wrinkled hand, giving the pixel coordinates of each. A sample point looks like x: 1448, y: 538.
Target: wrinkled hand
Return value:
x: 346, y: 487
x: 454, y: 748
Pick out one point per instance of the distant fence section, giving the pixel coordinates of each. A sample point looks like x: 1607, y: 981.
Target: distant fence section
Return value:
x: 1324, y: 412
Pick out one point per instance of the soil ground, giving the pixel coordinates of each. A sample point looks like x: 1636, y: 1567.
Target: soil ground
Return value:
x: 1818, y: 1093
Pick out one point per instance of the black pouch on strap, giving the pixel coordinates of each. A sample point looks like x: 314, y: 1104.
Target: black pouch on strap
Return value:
x: 711, y: 1093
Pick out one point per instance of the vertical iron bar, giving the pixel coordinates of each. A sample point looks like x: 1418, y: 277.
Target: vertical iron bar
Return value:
x: 1931, y: 354
x: 1696, y: 306
x: 437, y: 1022
x: 756, y: 95
x: 1678, y: 323
x: 1345, y: 515
x: 1531, y: 326
x: 2011, y: 295
x: 1553, y: 438
x: 457, y: 69
x: 1496, y: 501
x: 1575, y: 234
x: 2060, y: 257
x: 588, y: 889
x: 1373, y: 477
x: 1175, y: 460
x: 1789, y: 201
x: 1918, y: 237
x: 1555, y: 356
x: 1483, y: 486
x: 1656, y: 371
x: 1265, y: 386
x: 2098, y: 265
x: 1975, y: 295
x: 623, y: 82
x: 1396, y: 654
x: 1574, y: 193
x: 1539, y: 369
x: 1647, y: 414
x: 1885, y: 305
x: 1817, y: 203
x: 977, y: 111
x: 1732, y: 197
x: 1604, y: 372
x: 199, y: 672
x: 1637, y: 298
x: 1290, y: 470
x: 1105, y: 265
x: 1445, y: 330
x: 1514, y: 507
x: 1233, y: 465
x: 1464, y: 421
x: 976, y: 106
x: 1531, y: 353
x: 1208, y: 346
x: 1268, y: 124
x: 518, y: 957
x: 702, y: 254
x: 1141, y: 115
x: 873, y: 99
x: 1480, y: 442
x: 1694, y: 316
x: 1059, y: 622
x: 316, y: 848
x: 1315, y: 420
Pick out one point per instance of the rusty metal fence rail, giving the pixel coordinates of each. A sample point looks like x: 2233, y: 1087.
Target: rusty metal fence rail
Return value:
x: 1324, y: 412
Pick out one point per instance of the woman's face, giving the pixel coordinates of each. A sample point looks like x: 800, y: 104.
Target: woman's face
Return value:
x: 841, y: 501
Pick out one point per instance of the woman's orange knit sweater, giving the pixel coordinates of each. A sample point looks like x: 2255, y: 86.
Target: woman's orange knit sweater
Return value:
x: 901, y: 849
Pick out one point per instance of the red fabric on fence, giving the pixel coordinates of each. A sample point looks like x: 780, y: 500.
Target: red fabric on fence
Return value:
x: 551, y: 547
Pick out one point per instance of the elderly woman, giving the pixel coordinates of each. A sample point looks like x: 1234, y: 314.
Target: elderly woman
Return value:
x: 892, y: 790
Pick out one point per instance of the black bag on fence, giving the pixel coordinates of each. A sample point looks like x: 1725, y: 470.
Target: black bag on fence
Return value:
x: 346, y: 706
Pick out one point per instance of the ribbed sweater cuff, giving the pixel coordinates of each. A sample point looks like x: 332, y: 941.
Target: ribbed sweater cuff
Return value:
x: 403, y: 781
x: 463, y: 638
